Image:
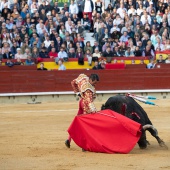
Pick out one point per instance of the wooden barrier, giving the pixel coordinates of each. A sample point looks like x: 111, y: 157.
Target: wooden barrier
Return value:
x: 20, y: 81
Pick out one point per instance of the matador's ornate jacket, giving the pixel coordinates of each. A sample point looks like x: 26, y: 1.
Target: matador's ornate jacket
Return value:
x: 87, y: 92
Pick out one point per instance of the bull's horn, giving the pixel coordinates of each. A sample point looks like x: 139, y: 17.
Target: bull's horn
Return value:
x: 145, y: 127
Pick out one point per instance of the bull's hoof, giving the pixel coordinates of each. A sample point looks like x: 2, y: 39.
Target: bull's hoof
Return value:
x: 67, y: 143
x: 147, y: 142
x: 143, y: 147
x: 162, y: 144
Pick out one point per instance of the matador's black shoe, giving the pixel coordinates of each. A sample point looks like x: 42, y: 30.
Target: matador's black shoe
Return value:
x: 67, y: 143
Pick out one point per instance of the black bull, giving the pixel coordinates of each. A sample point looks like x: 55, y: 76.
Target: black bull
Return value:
x: 128, y: 107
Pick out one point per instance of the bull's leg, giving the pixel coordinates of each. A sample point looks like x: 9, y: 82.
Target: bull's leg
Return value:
x: 153, y: 131
x: 142, y: 141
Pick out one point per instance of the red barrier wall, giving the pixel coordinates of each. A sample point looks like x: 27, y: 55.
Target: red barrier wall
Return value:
x: 46, y: 81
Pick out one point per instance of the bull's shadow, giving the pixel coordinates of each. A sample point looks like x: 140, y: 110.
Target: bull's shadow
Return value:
x: 128, y: 107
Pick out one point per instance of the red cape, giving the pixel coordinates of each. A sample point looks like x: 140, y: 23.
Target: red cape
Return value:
x: 105, y: 131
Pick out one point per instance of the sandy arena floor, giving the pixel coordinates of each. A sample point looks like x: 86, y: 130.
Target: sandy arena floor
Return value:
x: 32, y: 138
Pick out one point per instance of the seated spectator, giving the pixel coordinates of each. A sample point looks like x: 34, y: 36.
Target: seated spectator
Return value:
x: 151, y: 64
x: 102, y: 63
x: 18, y: 62
x: 167, y: 44
x: 61, y: 65
x: 18, y: 54
x: 27, y: 53
x: 148, y: 52
x: 129, y: 52
x: 42, y: 67
x: 160, y: 59
x: 88, y: 55
x: 71, y: 53
x: 62, y: 55
x: 116, y: 52
x: 88, y: 47
x: 43, y: 53
x: 96, y: 66
x: 1, y: 56
x: 96, y: 45
x: 29, y: 61
x: 53, y: 53
x: 167, y: 61
x: 124, y: 37
x: 123, y: 48
x: 96, y: 55
x: 80, y: 56
x: 35, y: 53
x: 159, y: 44
x: 108, y: 54
x: 9, y: 63
x: 86, y: 22
x: 7, y: 54
x: 137, y: 52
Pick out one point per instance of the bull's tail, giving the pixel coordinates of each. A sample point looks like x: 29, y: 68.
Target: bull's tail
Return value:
x: 151, y: 128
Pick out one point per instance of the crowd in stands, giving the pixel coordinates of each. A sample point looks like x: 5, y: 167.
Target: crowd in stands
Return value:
x: 37, y: 29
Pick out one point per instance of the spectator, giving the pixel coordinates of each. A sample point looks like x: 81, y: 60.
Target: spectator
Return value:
x: 129, y: 52
x: 18, y: 54
x: 80, y: 56
x: 96, y: 55
x: 96, y: 66
x: 108, y: 54
x: 88, y: 55
x: 116, y: 52
x: 9, y: 63
x: 53, y: 54
x: 18, y: 62
x: 88, y: 47
x: 29, y: 61
x: 88, y: 8
x: 160, y: 59
x: 73, y: 8
x: 7, y: 54
x: 137, y: 52
x: 71, y: 53
x: 62, y: 55
x: 148, y: 52
x: 43, y: 53
x: 151, y: 64
x: 42, y: 67
x: 167, y: 61
x: 61, y: 65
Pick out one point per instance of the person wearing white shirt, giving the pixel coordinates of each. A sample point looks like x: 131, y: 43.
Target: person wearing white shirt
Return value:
x: 73, y: 8
x: 62, y: 54
x: 47, y: 41
x: 131, y: 10
x: 121, y: 9
x: 159, y: 44
x: 88, y: 7
x: 145, y: 17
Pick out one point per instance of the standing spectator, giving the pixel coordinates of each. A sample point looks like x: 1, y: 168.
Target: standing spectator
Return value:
x: 80, y: 56
x: 88, y: 8
x: 73, y: 8
x: 98, y: 6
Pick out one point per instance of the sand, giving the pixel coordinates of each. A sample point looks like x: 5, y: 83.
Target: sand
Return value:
x: 32, y: 138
